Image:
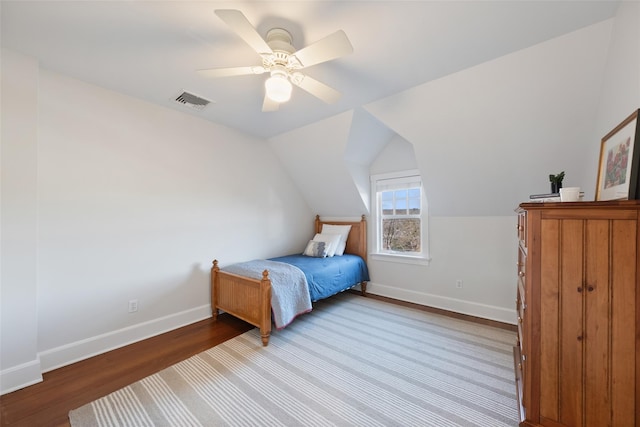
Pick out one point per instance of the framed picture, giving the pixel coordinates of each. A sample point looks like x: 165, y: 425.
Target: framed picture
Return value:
x: 619, y: 157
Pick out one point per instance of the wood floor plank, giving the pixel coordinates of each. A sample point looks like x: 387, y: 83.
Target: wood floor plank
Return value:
x: 48, y: 403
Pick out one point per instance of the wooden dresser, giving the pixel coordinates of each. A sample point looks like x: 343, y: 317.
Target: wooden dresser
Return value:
x: 578, y: 352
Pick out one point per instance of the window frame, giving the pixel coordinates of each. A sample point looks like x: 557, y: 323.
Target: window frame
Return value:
x: 422, y: 257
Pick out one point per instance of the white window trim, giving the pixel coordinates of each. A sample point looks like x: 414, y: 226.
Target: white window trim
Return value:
x: 421, y: 259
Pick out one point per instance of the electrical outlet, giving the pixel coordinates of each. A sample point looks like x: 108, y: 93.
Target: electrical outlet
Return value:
x: 133, y: 306
x: 459, y: 284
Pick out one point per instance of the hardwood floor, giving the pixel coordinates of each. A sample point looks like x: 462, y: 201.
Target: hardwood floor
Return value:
x: 49, y: 402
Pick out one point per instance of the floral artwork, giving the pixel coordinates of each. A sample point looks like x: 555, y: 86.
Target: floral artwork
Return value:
x: 617, y: 164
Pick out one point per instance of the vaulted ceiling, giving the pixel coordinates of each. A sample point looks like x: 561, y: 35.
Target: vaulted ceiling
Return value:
x: 152, y: 49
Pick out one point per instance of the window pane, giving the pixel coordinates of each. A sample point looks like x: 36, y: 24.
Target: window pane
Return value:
x: 414, y: 192
x: 387, y: 206
x: 414, y: 206
x: 414, y: 201
x: 399, y: 208
x: 386, y: 202
x: 401, y: 235
x: 400, y: 194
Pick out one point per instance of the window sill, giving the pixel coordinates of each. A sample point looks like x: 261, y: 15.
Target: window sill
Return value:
x: 401, y: 259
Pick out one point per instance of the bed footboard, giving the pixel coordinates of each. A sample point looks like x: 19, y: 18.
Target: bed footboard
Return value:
x: 243, y: 297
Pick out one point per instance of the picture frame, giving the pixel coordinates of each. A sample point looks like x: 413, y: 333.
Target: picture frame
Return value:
x: 618, y: 167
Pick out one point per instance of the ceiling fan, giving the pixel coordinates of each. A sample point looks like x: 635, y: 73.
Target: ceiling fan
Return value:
x: 281, y: 60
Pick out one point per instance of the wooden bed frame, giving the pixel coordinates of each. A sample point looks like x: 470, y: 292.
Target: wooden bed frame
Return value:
x: 250, y: 299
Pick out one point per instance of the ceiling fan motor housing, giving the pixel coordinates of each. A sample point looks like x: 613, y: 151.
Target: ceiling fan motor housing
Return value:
x: 279, y: 40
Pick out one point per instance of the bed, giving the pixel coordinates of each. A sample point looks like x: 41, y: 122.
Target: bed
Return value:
x: 249, y: 296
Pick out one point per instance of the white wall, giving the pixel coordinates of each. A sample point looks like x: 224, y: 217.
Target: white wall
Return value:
x: 477, y: 250
x: 133, y: 202
x: 621, y: 89
x: 19, y: 361
x: 314, y: 157
x: 485, y: 138
x: 397, y: 155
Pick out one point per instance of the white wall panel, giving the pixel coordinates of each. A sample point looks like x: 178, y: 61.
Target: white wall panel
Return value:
x: 19, y: 361
x: 314, y: 157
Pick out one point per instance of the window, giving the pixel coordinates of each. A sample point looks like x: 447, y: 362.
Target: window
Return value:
x: 400, y: 215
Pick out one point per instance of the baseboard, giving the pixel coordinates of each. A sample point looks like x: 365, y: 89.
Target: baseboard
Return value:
x: 84, y: 349
x: 470, y: 308
x: 20, y: 376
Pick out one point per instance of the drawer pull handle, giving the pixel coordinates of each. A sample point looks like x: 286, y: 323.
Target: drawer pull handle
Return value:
x: 519, y: 319
x: 590, y: 288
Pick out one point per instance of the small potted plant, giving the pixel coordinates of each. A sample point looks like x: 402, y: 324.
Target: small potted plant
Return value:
x: 556, y: 182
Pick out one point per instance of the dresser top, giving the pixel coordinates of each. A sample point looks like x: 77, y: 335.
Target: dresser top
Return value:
x: 609, y: 204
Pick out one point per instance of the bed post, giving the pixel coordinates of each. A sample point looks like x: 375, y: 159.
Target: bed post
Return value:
x: 363, y: 289
x: 265, y: 322
x: 363, y: 250
x: 363, y: 238
x: 214, y: 290
x: 318, y: 225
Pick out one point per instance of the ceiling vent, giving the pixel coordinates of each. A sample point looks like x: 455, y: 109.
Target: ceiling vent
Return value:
x: 192, y: 101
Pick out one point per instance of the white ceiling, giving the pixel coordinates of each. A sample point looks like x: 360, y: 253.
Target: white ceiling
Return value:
x: 151, y: 49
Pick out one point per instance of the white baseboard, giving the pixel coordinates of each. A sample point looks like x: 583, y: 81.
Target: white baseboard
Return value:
x: 470, y: 308
x: 84, y: 349
x: 20, y: 376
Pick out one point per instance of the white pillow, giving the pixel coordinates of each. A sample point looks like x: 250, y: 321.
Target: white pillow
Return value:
x: 316, y: 249
x: 342, y: 230
x: 333, y: 240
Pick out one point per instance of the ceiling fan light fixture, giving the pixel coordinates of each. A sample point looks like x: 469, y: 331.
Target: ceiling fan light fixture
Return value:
x: 282, y: 60
x: 278, y: 88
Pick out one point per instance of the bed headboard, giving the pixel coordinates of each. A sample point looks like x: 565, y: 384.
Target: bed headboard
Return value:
x: 357, y: 240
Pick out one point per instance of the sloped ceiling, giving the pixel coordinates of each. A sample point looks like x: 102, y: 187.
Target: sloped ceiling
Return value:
x: 313, y: 156
x: 151, y: 49
x: 487, y: 137
x: 485, y: 90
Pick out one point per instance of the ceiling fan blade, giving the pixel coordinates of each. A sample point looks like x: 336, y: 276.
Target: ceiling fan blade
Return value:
x: 331, y: 47
x: 241, y: 25
x: 269, y: 105
x: 316, y: 88
x: 234, y: 71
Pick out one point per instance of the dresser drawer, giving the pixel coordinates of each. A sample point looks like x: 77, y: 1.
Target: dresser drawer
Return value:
x: 522, y: 266
x: 517, y: 365
x: 522, y: 229
x: 520, y: 312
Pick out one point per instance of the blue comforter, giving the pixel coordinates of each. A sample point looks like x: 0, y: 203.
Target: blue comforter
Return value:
x: 328, y: 276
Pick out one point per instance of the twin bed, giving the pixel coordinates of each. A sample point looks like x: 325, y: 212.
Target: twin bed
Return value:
x: 285, y: 287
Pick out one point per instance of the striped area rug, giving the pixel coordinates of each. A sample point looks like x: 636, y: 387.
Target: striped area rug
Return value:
x: 352, y: 361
